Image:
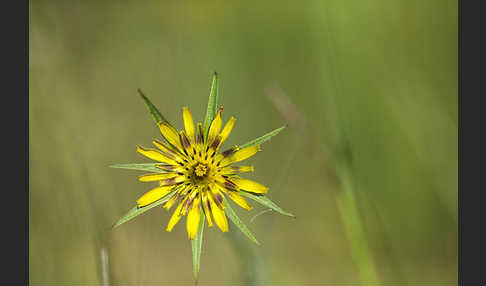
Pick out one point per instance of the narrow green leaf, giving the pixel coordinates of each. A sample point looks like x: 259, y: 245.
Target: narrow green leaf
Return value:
x: 237, y: 221
x: 148, y: 167
x: 136, y: 211
x: 266, y: 202
x: 264, y: 138
x: 197, y: 245
x: 158, y: 117
x: 212, y: 105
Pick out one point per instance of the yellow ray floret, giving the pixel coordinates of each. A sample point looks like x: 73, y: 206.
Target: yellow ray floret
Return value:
x: 232, y: 170
x: 215, y: 126
x: 193, y: 218
x: 176, y: 216
x: 238, y: 199
x: 240, y: 155
x: 156, y: 155
x: 188, y: 123
x: 218, y: 215
x: 170, y: 134
x: 158, y: 177
x: 171, y: 201
x: 249, y: 185
x: 168, y: 151
x: 205, y: 202
x: 154, y: 195
x: 227, y: 129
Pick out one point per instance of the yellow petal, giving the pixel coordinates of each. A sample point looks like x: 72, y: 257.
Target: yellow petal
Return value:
x: 156, y: 155
x: 173, y: 181
x: 216, y: 195
x: 186, y: 143
x: 170, y: 134
x: 237, y: 198
x: 218, y: 215
x: 185, y: 189
x: 224, y: 183
x: 176, y: 216
x: 205, y: 202
x: 193, y: 219
x: 170, y: 168
x: 217, y: 158
x: 192, y: 193
x: 249, y: 185
x: 154, y: 195
x: 188, y: 123
x: 227, y: 129
x: 214, y: 145
x: 230, y: 151
x: 157, y: 177
x: 215, y: 127
x: 168, y: 151
x: 232, y: 170
x: 240, y: 155
x: 172, y: 201
x: 200, y: 135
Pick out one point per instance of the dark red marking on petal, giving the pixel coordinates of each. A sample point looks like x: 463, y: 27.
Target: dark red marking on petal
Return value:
x: 230, y: 185
x: 166, y: 167
x: 185, y: 141
x: 219, y: 197
x: 228, y: 152
x: 216, y: 142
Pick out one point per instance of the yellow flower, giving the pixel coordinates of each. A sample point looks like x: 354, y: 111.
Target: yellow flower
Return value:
x: 196, y: 174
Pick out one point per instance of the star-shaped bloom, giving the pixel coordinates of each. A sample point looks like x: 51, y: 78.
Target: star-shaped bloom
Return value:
x: 196, y: 174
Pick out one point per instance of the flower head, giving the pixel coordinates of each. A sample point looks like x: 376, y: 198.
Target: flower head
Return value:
x: 195, y: 175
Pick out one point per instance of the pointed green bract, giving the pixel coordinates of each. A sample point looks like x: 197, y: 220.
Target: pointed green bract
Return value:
x: 147, y: 167
x: 263, y: 139
x: 158, y: 117
x: 237, y: 221
x: 136, y: 211
x: 212, y: 105
x: 197, y: 245
x: 266, y: 202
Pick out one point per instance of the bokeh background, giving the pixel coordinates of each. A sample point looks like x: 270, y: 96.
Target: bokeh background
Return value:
x: 368, y: 88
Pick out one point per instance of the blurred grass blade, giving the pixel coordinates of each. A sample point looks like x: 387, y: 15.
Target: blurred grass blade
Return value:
x: 212, y: 105
x: 105, y: 276
x: 264, y: 138
x: 237, y: 221
x: 148, y: 167
x: 197, y: 246
x: 266, y: 202
x: 355, y: 232
x: 158, y: 117
x: 138, y: 211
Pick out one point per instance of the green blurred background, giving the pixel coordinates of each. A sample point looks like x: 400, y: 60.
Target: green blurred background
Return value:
x: 369, y: 87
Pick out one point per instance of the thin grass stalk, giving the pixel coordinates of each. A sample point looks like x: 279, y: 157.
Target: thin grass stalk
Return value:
x: 348, y: 205
x: 350, y: 215
x: 252, y: 262
x: 341, y: 166
x: 338, y: 144
x: 105, y: 277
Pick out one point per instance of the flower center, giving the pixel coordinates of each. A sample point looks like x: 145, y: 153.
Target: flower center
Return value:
x: 200, y: 170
